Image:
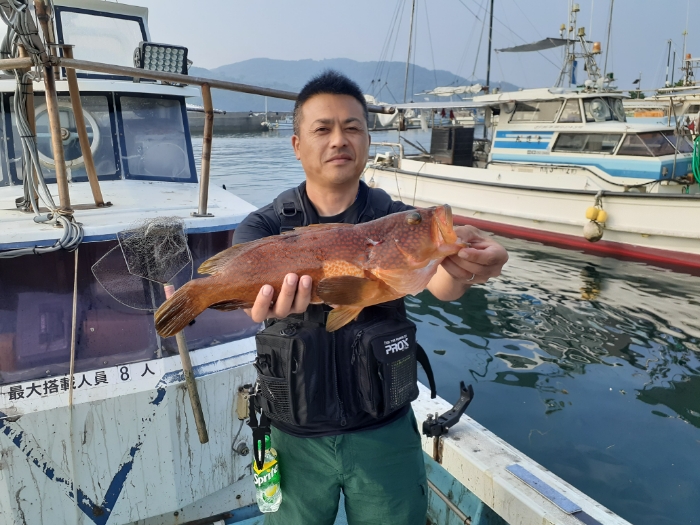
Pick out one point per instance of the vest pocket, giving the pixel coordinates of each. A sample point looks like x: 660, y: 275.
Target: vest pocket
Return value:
x: 384, y: 366
x: 292, y: 363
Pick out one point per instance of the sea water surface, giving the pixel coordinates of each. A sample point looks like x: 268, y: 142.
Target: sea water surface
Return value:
x: 589, y: 365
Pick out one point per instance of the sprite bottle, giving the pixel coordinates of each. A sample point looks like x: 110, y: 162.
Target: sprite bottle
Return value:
x: 267, y: 481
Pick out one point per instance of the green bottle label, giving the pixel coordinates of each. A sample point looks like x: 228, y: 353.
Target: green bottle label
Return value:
x: 267, y: 480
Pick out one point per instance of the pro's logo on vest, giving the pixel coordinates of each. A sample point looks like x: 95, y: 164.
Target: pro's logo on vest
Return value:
x: 397, y: 344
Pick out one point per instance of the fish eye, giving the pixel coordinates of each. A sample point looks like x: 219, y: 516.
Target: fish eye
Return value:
x: 414, y: 218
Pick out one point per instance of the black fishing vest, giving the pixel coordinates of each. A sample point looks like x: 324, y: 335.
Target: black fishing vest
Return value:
x: 314, y: 383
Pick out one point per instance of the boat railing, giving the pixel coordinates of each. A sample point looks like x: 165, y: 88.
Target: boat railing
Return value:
x: 46, y: 61
x: 391, y: 145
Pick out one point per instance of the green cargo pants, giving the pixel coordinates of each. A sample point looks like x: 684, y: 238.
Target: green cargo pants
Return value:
x: 381, y: 472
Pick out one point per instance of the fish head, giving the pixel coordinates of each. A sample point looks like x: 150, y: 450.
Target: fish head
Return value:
x: 423, y: 235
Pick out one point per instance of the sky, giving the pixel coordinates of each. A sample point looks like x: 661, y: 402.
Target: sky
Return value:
x: 446, y: 33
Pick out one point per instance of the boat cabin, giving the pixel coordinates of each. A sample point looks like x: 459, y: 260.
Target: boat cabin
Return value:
x: 552, y: 126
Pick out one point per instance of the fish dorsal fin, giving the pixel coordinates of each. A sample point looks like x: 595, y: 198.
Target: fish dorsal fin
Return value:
x: 339, y: 317
x: 214, y: 264
x: 319, y: 227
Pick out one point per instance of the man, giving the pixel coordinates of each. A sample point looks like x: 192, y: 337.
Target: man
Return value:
x: 376, y: 462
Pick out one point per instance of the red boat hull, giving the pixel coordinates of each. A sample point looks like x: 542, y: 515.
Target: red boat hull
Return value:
x: 679, y: 261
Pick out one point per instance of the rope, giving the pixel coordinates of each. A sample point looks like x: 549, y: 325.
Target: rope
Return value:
x: 34, y: 183
x: 71, y: 375
x: 696, y: 159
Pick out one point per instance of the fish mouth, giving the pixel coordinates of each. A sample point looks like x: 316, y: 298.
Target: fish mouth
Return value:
x: 443, y: 219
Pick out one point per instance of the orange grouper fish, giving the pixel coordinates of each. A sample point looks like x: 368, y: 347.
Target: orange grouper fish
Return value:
x: 352, y: 266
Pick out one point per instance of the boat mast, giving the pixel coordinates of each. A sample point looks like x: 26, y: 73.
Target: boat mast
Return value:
x: 408, y: 59
x: 607, y: 44
x: 488, y: 60
x: 668, y: 61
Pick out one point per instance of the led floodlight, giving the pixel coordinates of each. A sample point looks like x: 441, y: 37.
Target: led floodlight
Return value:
x: 161, y: 57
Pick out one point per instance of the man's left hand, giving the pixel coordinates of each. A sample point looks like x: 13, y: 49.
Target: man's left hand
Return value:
x: 482, y: 259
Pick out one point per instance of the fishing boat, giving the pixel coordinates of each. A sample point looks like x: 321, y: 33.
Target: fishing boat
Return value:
x: 677, y: 105
x: 104, y: 214
x: 560, y: 165
x: 285, y: 124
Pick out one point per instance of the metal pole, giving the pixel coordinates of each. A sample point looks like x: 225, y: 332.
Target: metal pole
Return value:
x: 668, y: 61
x: 82, y: 129
x: 488, y: 62
x: 454, y: 508
x: 189, y: 378
x: 206, y: 151
x: 134, y: 72
x: 408, y: 59
x: 16, y: 63
x: 607, y: 44
x: 56, y: 142
x: 673, y: 67
x: 52, y: 112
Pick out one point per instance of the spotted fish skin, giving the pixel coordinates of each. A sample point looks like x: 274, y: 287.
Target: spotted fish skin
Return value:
x: 351, y: 266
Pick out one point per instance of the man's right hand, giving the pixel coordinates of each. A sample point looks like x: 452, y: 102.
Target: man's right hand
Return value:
x: 294, y: 298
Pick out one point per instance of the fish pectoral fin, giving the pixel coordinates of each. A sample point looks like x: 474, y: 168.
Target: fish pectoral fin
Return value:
x: 339, y: 317
x: 214, y: 264
x: 347, y: 290
x: 319, y: 227
x: 233, y: 304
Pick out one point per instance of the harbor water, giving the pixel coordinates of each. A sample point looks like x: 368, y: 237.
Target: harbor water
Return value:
x: 589, y: 365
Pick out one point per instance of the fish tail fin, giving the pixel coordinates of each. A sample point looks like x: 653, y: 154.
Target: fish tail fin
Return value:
x: 178, y: 311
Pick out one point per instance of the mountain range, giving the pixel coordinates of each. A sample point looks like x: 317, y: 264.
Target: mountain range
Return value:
x: 384, y: 81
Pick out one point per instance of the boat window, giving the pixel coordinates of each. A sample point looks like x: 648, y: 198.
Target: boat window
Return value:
x: 652, y: 144
x: 101, y: 129
x: 587, y: 142
x: 536, y: 111
x: 634, y: 146
x: 571, y: 112
x: 100, y: 37
x: 694, y: 109
x: 36, y: 305
x: 682, y: 143
x: 603, y: 109
x: 156, y: 143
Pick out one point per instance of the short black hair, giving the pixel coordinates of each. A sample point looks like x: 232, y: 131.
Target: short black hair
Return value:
x: 329, y: 82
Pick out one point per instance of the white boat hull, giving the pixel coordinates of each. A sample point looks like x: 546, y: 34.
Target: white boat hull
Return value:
x: 130, y: 449
x: 657, y: 227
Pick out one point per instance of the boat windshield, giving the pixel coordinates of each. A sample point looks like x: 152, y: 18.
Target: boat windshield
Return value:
x: 156, y: 142
x: 654, y: 144
x: 100, y: 123
x: 604, y: 109
x: 153, y: 138
x: 536, y: 111
x: 571, y: 112
x: 100, y: 37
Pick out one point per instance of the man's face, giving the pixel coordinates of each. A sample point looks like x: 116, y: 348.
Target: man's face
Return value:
x: 333, y: 140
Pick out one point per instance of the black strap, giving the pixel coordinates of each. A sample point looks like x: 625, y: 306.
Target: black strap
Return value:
x: 290, y: 210
x: 422, y: 358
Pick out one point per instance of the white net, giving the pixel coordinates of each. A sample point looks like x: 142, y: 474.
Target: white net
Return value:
x: 154, y: 250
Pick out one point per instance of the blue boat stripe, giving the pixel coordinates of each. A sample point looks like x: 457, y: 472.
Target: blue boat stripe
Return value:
x: 514, y: 134
x: 540, y: 486
x: 520, y: 145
